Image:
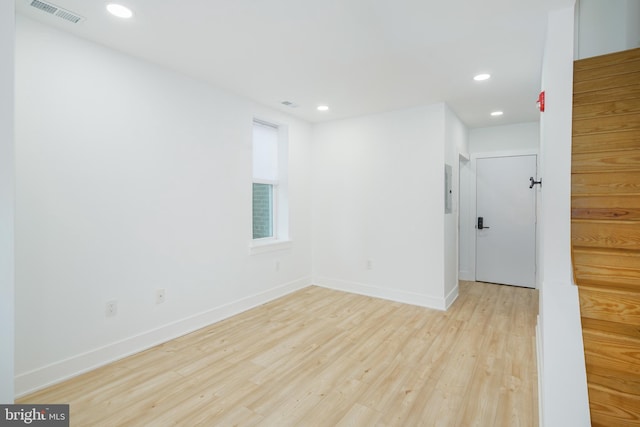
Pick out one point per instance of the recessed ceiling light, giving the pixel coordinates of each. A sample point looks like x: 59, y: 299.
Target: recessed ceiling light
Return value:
x: 481, y: 77
x: 119, y: 10
x: 323, y: 108
x: 497, y: 113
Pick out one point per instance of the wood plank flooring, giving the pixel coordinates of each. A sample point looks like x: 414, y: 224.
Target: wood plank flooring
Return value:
x: 320, y: 357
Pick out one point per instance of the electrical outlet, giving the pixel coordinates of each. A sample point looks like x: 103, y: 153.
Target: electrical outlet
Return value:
x: 277, y: 265
x: 111, y: 309
x: 159, y: 296
x: 369, y: 264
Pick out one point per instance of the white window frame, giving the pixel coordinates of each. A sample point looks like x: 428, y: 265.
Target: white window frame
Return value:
x: 280, y: 207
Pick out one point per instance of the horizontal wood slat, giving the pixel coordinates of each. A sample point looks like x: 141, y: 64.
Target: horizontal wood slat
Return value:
x: 614, y: 380
x: 610, y: 257
x: 613, y: 409
x: 614, y: 307
x: 615, y: 123
x: 612, y: 184
x: 605, y: 213
x: 604, y: 109
x: 618, y: 80
x: 607, y: 277
x: 604, y: 201
x: 598, y: 71
x: 603, y: 61
x: 607, y: 350
x: 604, y: 326
x: 606, y: 234
x: 623, y: 160
x: 609, y: 94
x: 608, y: 141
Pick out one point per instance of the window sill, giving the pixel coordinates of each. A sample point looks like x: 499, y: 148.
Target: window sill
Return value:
x: 268, y: 245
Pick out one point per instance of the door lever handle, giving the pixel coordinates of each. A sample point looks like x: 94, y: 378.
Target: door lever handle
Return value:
x: 481, y: 223
x: 534, y: 182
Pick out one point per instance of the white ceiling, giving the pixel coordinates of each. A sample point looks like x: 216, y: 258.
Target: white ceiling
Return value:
x: 357, y: 56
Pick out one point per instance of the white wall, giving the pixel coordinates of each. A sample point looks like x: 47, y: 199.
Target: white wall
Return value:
x: 7, y: 201
x: 633, y: 24
x: 132, y: 178
x: 378, y: 198
x: 494, y: 140
x: 561, y: 366
x: 508, y: 138
x: 606, y: 26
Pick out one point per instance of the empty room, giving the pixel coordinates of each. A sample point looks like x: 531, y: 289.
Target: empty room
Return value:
x: 296, y: 213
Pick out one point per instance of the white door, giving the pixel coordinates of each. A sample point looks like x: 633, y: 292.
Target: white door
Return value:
x: 506, y: 220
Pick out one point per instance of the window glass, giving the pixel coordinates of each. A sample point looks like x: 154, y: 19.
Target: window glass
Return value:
x: 262, y: 210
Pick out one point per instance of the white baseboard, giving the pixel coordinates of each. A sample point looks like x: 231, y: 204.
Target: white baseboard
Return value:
x: 451, y: 297
x: 539, y: 370
x: 384, y: 293
x: 45, y: 376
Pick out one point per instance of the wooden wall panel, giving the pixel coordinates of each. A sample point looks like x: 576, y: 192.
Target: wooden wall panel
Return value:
x: 605, y: 234
x: 610, y: 184
x: 604, y: 326
x: 610, y: 60
x: 603, y: 142
x: 605, y: 257
x: 617, y: 353
x: 611, y: 123
x: 600, y: 70
x: 611, y: 409
x: 605, y: 231
x: 611, y: 306
x: 602, y: 95
x: 620, y: 160
x: 614, y: 81
x: 606, y: 277
x: 603, y: 109
x: 606, y: 213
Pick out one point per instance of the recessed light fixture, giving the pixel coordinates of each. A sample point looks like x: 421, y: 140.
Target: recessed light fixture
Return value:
x: 497, y: 113
x: 481, y: 77
x: 323, y: 108
x: 119, y: 10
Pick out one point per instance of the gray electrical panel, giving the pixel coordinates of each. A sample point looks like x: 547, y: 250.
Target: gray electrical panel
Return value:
x: 448, y: 193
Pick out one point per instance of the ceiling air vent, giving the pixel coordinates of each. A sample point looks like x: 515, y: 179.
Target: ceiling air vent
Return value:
x: 56, y: 11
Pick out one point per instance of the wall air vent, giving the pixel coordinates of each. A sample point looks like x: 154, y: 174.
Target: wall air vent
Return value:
x: 56, y: 11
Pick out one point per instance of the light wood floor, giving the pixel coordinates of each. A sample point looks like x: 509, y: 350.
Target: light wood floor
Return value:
x: 320, y: 357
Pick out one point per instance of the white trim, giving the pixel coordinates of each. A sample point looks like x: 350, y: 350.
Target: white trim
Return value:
x: 437, y: 303
x: 273, y: 182
x: 539, y: 360
x: 31, y: 381
x: 260, y: 246
x: 266, y: 123
x: 280, y: 191
x: 451, y: 297
x: 504, y: 153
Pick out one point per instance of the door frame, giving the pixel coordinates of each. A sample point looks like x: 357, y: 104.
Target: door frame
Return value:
x: 471, y: 200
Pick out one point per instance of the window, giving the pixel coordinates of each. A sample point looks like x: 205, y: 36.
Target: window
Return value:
x: 269, y: 210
